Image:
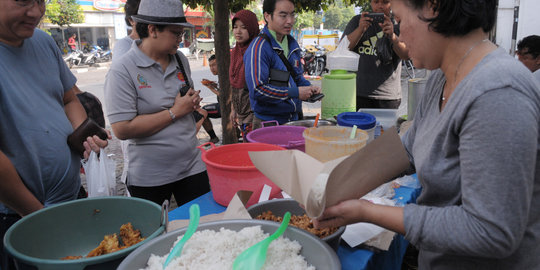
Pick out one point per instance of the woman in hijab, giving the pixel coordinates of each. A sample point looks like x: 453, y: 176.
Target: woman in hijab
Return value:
x: 245, y: 28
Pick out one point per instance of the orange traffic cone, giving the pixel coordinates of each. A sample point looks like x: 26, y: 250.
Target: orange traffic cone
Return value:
x: 204, y: 62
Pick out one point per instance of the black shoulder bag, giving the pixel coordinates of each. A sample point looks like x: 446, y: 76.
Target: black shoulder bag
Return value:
x: 280, y: 77
x: 183, y: 90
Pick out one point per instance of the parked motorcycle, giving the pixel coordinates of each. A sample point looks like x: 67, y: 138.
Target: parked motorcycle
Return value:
x: 78, y: 58
x: 102, y: 55
x: 314, y: 60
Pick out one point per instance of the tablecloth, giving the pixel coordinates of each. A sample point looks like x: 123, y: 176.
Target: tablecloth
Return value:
x: 351, y: 258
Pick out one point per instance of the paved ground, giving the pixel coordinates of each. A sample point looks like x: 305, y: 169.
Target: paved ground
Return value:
x: 92, y: 79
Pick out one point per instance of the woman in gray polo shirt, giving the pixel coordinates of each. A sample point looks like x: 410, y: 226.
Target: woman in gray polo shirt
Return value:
x: 142, y: 91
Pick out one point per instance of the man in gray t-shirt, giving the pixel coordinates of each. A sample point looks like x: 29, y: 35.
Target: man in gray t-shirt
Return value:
x: 38, y: 110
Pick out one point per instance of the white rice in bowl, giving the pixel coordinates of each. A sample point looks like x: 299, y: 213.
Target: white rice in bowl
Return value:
x: 211, y: 250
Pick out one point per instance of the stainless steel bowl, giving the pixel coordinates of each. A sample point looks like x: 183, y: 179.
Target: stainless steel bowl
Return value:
x: 280, y: 206
x: 315, y: 251
x: 310, y: 122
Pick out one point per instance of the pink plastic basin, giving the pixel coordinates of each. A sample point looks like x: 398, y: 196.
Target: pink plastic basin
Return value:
x: 230, y: 169
x: 289, y: 137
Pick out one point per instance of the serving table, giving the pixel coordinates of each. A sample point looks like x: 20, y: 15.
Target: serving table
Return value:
x: 351, y: 258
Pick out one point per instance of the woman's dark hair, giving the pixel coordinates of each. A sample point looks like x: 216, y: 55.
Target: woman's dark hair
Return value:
x: 532, y: 44
x: 131, y: 8
x: 142, y: 29
x: 270, y: 5
x: 459, y: 17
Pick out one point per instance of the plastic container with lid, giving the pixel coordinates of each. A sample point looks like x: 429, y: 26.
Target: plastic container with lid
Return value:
x: 339, y: 88
x: 386, y: 118
x: 364, y: 121
x: 331, y: 142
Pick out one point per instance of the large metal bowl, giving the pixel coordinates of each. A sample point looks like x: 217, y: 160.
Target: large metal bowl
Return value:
x: 315, y: 251
x: 280, y: 206
x: 310, y: 122
x: 39, y: 240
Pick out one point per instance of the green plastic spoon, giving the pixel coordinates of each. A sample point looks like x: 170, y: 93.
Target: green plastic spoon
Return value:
x: 254, y: 257
x: 194, y: 214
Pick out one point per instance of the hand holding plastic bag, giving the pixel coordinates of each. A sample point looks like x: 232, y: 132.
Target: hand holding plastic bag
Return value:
x: 100, y: 175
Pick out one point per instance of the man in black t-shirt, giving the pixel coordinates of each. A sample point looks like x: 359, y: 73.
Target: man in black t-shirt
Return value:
x: 378, y: 82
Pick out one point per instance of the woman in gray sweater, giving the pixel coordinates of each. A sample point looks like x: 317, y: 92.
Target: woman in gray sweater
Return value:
x: 474, y: 145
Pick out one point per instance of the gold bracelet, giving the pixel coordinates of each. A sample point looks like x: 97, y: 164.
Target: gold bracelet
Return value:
x: 173, y: 116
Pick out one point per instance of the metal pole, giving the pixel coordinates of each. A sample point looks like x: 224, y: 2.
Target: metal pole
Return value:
x: 515, y: 28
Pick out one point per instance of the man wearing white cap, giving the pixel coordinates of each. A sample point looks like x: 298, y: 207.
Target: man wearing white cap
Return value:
x: 150, y: 103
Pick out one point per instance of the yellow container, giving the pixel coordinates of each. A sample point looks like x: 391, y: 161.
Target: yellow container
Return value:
x: 330, y: 142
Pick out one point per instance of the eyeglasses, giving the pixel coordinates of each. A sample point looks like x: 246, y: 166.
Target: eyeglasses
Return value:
x: 30, y: 3
x: 177, y: 34
x: 284, y: 15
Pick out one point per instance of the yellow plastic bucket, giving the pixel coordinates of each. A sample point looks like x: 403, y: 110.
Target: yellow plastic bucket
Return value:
x: 331, y: 142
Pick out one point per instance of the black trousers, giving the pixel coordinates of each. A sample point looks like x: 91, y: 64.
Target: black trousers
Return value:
x: 184, y: 190
x: 6, y: 221
x: 362, y: 102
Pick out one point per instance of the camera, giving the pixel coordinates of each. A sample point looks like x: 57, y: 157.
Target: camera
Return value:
x: 377, y: 17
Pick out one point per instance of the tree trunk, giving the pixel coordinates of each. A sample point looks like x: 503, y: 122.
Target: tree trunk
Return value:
x: 221, y: 21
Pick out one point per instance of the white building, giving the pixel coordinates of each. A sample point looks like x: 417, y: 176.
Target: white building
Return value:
x: 528, y: 21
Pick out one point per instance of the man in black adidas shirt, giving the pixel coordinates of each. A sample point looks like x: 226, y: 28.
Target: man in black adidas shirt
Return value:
x: 377, y: 83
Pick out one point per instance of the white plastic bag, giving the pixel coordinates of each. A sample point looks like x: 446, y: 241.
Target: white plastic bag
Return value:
x: 100, y: 175
x: 342, y: 57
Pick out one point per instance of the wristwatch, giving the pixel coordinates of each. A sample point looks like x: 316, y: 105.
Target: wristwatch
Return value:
x: 173, y: 116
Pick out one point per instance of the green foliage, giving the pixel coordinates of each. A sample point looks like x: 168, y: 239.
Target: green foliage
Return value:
x: 234, y: 5
x: 310, y: 5
x: 337, y: 13
x: 305, y: 20
x: 333, y: 17
x: 64, y: 12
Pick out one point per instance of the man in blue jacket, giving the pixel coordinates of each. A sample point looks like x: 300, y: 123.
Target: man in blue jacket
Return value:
x: 274, y: 92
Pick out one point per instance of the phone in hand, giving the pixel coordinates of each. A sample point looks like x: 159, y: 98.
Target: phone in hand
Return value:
x: 377, y: 17
x: 183, y: 90
x: 315, y: 97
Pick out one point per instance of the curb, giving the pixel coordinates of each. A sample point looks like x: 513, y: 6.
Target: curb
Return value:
x: 98, y: 66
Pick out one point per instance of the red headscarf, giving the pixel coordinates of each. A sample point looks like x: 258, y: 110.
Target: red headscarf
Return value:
x: 236, y: 69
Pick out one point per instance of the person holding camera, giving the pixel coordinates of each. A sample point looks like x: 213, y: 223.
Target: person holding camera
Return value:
x: 276, y: 83
x: 151, y: 103
x: 374, y: 36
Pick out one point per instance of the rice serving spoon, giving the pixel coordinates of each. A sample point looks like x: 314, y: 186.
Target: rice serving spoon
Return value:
x: 254, y: 257
x: 194, y: 214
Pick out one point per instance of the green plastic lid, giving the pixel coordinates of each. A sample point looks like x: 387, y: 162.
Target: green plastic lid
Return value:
x: 340, y: 74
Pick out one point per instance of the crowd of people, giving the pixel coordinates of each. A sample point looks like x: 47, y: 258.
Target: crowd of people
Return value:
x: 474, y: 143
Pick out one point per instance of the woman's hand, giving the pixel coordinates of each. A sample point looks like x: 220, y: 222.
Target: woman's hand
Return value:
x: 344, y: 213
x: 187, y: 103
x: 233, y: 117
x: 94, y: 143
